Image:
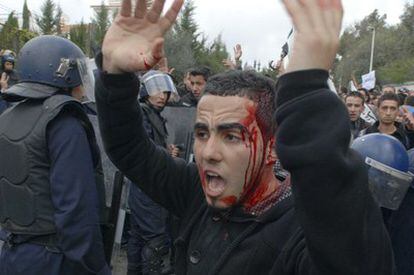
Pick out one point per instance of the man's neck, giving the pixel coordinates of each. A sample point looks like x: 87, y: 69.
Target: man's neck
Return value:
x: 265, y: 193
x: 387, y: 128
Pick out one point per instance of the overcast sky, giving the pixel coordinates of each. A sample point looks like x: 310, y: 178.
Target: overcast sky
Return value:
x: 260, y: 27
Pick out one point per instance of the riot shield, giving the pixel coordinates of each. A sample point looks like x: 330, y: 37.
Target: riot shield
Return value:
x: 180, y: 127
x: 113, y: 181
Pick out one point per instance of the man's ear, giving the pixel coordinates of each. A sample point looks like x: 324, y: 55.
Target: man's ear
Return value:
x: 271, y: 155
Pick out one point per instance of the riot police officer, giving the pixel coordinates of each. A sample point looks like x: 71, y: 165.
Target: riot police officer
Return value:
x: 149, y: 245
x: 50, y: 206
x: 391, y: 185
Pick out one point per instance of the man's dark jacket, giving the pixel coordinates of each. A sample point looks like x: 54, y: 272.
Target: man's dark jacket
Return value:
x: 189, y: 100
x: 333, y: 227
x: 357, y: 126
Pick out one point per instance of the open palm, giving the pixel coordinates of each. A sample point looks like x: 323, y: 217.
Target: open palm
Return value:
x: 135, y: 40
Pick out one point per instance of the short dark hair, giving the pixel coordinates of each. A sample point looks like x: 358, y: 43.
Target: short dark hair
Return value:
x: 363, y: 89
x: 258, y: 88
x: 203, y: 71
x: 355, y: 94
x: 389, y: 86
x: 409, y: 100
x: 388, y: 96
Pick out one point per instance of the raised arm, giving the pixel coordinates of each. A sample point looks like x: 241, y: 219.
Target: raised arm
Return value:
x: 134, y: 42
x: 342, y: 228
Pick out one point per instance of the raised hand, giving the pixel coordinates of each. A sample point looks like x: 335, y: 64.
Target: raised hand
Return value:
x: 4, y: 80
x: 317, y: 25
x: 408, y: 118
x: 135, y: 40
x: 237, y: 52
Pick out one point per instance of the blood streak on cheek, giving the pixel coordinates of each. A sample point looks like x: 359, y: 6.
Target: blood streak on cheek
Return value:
x: 229, y: 201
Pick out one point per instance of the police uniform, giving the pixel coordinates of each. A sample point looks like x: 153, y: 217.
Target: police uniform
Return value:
x: 149, y: 242
x: 52, y: 199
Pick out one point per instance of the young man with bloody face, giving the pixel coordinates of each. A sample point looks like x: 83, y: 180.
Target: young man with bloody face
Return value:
x: 236, y: 217
x: 234, y: 141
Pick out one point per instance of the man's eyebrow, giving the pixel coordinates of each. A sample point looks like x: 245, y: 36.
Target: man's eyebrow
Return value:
x: 200, y: 126
x: 231, y: 126
x: 221, y: 127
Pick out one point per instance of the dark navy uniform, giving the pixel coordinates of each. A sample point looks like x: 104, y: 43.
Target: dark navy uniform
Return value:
x: 148, y: 219
x: 50, y: 208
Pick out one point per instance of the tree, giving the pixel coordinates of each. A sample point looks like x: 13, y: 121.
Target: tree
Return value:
x: 79, y: 35
x: 213, y: 55
x: 9, y: 34
x: 49, y: 21
x: 101, y: 23
x: 58, y: 20
x: 393, y: 52
x: 26, y: 16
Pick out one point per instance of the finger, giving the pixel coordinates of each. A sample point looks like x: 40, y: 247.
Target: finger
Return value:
x: 171, y: 70
x: 155, y: 11
x: 171, y: 15
x: 316, y: 10
x: 297, y: 14
x: 338, y: 15
x: 140, y: 9
x: 332, y: 14
x: 126, y: 8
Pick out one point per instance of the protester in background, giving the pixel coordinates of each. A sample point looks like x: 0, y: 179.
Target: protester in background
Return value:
x: 198, y: 78
x: 364, y: 93
x: 149, y: 244
x: 237, y: 218
x: 53, y: 196
x: 388, y: 110
x: 354, y: 102
x: 184, y: 87
x: 8, y: 75
x: 236, y: 65
x: 409, y: 100
x: 388, y: 89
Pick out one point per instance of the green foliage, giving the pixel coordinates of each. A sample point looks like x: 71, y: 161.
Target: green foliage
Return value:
x: 9, y: 34
x: 213, y: 55
x: 49, y: 21
x: 58, y: 20
x: 26, y: 17
x: 186, y: 47
x: 101, y: 23
x: 79, y: 35
x: 393, y: 53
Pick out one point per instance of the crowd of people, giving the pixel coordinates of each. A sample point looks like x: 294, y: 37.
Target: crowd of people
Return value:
x: 287, y: 177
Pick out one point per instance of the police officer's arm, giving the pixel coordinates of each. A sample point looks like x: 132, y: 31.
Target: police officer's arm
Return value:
x: 74, y: 194
x: 342, y: 228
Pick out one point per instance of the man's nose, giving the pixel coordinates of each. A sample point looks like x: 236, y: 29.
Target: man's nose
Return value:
x: 211, y: 151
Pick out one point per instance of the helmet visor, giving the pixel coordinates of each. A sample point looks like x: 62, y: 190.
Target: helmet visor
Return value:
x: 158, y: 83
x: 388, y: 185
x: 85, y: 69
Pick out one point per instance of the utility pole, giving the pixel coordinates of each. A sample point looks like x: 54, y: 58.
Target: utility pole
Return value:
x: 372, y: 48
